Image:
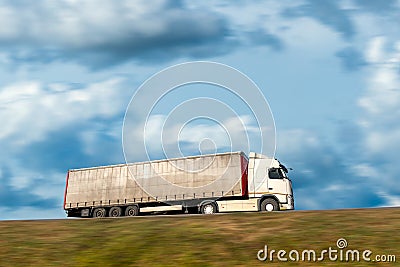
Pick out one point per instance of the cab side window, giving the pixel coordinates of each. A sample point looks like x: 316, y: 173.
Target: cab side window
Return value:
x: 274, y: 173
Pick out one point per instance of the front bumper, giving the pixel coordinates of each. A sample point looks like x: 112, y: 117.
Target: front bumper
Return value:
x: 289, y: 205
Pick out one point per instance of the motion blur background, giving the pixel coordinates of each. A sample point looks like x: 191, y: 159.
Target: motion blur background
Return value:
x: 329, y: 69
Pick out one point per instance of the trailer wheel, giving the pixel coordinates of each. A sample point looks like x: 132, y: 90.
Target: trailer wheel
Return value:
x: 269, y: 204
x: 115, y: 212
x: 209, y: 208
x: 132, y: 211
x: 99, y: 213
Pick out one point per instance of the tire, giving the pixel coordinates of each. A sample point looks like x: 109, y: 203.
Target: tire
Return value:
x: 209, y: 208
x: 269, y: 205
x: 132, y: 211
x: 99, y: 213
x: 115, y: 212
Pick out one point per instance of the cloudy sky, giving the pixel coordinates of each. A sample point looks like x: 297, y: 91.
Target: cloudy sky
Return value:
x: 330, y: 71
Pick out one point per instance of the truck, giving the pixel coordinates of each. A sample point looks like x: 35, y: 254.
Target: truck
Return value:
x: 223, y: 182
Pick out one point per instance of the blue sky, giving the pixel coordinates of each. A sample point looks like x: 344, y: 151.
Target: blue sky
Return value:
x: 330, y: 71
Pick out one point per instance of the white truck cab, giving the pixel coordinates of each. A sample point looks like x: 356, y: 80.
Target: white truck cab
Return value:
x: 268, y: 178
x: 269, y: 187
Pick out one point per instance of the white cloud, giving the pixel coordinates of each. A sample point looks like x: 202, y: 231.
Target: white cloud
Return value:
x: 31, y: 110
x: 27, y: 213
x: 22, y: 181
x: 295, y: 140
x: 223, y: 135
x: 33, y: 163
x: 391, y: 200
x: 375, y: 52
x: 381, y: 100
x: 95, y: 133
x: 379, y: 121
x: 76, y: 21
x: 50, y: 186
x: 382, y: 140
x: 100, y: 34
x: 333, y: 188
x: 365, y: 170
x: 45, y: 184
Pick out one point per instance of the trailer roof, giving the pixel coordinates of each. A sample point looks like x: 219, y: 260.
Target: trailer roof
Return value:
x: 162, y: 160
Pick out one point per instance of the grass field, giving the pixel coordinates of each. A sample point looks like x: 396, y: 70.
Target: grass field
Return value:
x: 214, y: 240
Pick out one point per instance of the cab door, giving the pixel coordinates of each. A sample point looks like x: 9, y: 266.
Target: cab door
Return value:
x: 277, y: 182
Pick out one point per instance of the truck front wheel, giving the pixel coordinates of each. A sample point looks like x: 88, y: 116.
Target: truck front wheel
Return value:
x: 209, y: 208
x: 132, y: 211
x: 99, y: 213
x: 269, y: 204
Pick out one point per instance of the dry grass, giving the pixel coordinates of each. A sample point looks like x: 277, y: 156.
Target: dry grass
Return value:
x: 218, y: 240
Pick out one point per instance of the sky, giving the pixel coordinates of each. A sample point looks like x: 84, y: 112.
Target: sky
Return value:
x: 330, y: 71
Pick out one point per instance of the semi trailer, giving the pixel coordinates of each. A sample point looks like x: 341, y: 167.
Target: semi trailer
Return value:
x: 207, y: 184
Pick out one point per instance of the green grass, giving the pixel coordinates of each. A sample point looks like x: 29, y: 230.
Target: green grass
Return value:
x: 216, y: 240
